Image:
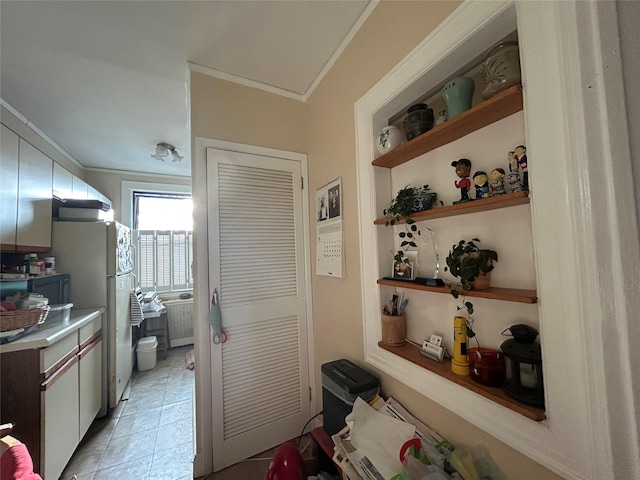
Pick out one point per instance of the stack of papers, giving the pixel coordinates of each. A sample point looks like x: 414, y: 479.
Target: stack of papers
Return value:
x: 369, y: 446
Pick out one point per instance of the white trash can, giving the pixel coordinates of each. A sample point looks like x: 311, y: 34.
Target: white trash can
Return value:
x: 146, y: 353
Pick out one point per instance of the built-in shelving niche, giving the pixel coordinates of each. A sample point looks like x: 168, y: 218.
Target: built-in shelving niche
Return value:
x: 496, y: 108
x: 482, y: 114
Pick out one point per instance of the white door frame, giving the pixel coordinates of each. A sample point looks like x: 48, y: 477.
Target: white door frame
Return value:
x: 203, y: 432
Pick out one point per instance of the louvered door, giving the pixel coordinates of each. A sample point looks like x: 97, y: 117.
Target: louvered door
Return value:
x: 260, y: 375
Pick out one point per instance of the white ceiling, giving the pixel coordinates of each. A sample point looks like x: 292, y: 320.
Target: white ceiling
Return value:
x: 107, y: 80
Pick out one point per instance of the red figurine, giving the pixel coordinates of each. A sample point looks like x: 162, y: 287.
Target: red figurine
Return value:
x: 463, y: 170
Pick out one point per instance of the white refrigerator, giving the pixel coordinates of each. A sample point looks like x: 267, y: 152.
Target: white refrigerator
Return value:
x: 99, y: 258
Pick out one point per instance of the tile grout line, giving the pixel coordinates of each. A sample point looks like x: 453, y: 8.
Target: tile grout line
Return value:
x: 173, y: 369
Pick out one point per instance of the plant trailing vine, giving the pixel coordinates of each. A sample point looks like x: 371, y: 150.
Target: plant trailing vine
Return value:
x: 467, y: 261
x: 407, y: 201
x: 468, y: 308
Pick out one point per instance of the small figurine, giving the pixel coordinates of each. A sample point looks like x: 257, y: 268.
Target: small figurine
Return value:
x: 513, y: 161
x: 442, y: 117
x: 497, y: 182
x: 463, y: 170
x: 520, y: 154
x: 513, y: 182
x: 481, y: 181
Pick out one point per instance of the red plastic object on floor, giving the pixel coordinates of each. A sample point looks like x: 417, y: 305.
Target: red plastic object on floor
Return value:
x: 287, y: 464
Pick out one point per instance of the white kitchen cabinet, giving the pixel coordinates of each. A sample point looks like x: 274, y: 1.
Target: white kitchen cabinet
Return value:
x: 53, y: 394
x: 59, y: 405
x: 104, y: 199
x: 80, y: 189
x: 60, y: 418
x: 62, y: 182
x: 35, y: 182
x: 68, y: 186
x: 90, y: 373
x: 92, y: 193
x: 9, y: 148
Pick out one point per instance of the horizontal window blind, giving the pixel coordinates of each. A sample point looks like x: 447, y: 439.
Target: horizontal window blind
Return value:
x: 164, y: 260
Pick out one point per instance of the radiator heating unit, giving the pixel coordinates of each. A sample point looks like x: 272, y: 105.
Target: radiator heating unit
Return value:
x: 180, y: 321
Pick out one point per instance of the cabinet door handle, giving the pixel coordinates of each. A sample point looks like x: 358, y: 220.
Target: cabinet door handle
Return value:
x: 60, y: 363
x: 49, y: 382
x: 88, y: 346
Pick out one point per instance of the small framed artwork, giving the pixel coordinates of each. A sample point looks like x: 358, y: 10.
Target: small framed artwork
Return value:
x: 406, y: 269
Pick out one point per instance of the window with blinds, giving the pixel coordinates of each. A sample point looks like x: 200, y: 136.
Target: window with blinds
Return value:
x: 164, y: 260
x: 163, y: 236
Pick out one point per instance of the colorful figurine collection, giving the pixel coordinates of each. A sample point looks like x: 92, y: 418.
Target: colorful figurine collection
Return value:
x: 498, y: 182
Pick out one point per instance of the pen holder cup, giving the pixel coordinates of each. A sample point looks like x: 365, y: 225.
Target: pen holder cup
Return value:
x: 393, y: 330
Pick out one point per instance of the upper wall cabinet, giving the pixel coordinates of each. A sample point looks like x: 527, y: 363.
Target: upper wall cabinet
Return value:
x: 30, y: 180
x: 9, y: 148
x: 66, y: 185
x: 35, y: 180
x: 62, y: 182
x: 80, y: 189
x: 25, y: 195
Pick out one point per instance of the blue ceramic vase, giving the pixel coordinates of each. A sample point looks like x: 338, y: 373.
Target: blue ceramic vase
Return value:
x: 457, y: 95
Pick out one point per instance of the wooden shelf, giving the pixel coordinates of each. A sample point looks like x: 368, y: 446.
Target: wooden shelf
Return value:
x: 474, y: 206
x: 494, y: 293
x: 496, y: 108
x: 498, y: 395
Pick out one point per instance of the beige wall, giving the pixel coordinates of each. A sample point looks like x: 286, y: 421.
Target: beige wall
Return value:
x: 227, y: 111
x: 324, y: 128
x: 389, y: 34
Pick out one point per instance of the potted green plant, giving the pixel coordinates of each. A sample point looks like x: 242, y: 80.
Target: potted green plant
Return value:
x: 468, y: 262
x: 407, y: 201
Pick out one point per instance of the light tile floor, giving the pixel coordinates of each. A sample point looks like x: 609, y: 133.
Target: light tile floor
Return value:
x: 147, y: 437
x: 150, y: 435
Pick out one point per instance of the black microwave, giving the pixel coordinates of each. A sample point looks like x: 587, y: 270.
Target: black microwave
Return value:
x: 55, y: 287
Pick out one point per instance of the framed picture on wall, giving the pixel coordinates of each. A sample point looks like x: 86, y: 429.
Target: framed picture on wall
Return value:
x: 406, y: 269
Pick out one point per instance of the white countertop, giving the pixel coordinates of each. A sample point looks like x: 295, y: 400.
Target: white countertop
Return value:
x: 50, y: 332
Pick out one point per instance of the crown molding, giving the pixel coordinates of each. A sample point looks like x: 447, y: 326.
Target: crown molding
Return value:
x: 34, y: 128
x: 212, y: 72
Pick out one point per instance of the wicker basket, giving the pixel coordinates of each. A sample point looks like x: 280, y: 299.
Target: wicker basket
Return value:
x: 24, y: 318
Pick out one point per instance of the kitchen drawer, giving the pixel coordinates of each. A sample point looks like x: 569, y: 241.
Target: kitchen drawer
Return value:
x: 53, y: 357
x: 88, y: 330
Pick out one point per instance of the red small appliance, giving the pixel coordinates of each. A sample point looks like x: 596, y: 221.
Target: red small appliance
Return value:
x: 287, y: 464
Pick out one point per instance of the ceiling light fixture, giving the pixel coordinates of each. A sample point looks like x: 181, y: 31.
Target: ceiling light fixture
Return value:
x: 164, y: 149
